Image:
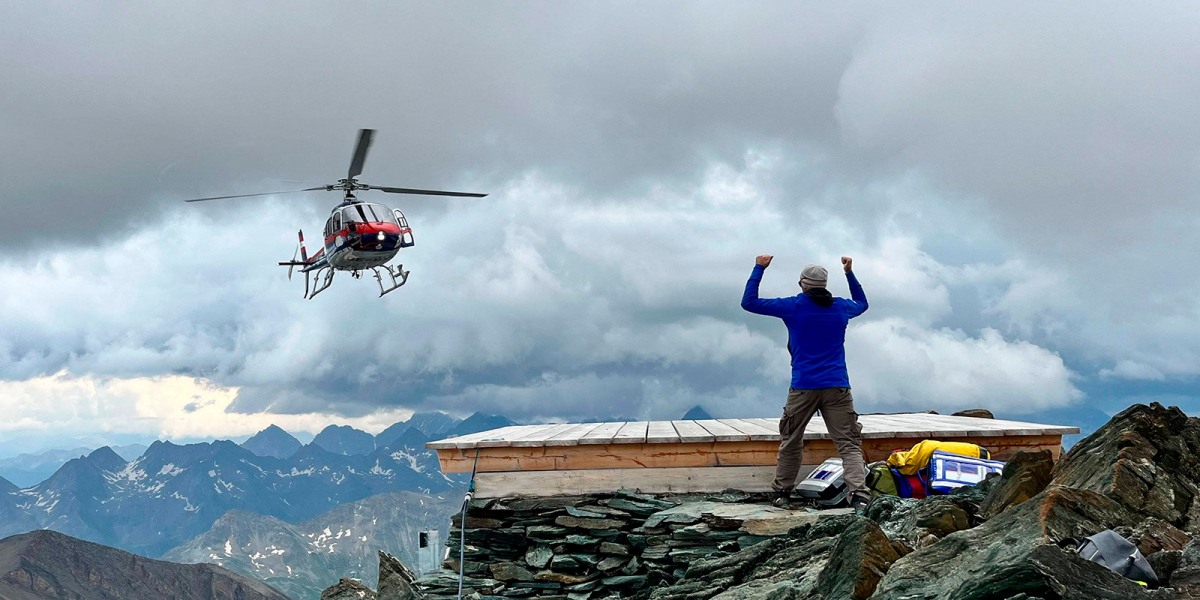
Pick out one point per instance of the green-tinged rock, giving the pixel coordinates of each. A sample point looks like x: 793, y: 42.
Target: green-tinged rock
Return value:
x: 594, y: 584
x: 993, y: 559
x: 1075, y: 578
x: 611, y: 548
x: 508, y: 571
x: 539, y: 505
x: 607, y: 511
x: 536, y: 585
x: 632, y: 567
x: 538, y: 556
x: 546, y: 532
x: 644, y: 499
x: 625, y: 581
x: 859, y: 559
x: 636, y: 509
x: 583, y: 523
x: 729, y: 496
x: 584, y: 513
x: 568, y: 579
x: 581, y: 540
x: 1147, y: 458
x: 745, y: 541
x: 611, y: 564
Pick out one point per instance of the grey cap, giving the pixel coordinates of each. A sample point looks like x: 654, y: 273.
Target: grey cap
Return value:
x: 813, y: 276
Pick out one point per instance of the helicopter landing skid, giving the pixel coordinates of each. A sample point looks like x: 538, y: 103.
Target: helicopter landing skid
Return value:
x: 324, y: 283
x: 393, y: 272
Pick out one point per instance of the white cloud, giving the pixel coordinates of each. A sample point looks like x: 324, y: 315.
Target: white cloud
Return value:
x: 64, y: 405
x: 896, y: 364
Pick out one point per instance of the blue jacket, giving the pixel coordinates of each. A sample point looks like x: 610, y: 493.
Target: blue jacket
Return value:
x: 816, y: 334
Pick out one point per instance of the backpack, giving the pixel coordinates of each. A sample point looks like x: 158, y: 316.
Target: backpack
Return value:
x: 1119, y: 555
x: 911, y: 461
x: 880, y: 480
x: 910, y: 486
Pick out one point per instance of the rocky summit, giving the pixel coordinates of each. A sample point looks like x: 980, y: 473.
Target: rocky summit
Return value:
x: 46, y: 564
x: 1010, y: 538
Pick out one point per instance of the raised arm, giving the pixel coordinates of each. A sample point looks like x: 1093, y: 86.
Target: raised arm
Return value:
x: 858, y: 299
x: 773, y: 307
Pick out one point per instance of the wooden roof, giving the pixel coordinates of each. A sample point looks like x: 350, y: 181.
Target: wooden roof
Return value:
x: 904, y: 425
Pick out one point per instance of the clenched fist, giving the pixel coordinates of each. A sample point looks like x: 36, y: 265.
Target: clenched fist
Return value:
x: 847, y: 262
x: 763, y: 260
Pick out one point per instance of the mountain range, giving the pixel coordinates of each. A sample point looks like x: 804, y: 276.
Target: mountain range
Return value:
x: 303, y: 558
x: 173, y: 493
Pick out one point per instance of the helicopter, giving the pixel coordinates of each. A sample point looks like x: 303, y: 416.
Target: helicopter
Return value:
x: 358, y: 235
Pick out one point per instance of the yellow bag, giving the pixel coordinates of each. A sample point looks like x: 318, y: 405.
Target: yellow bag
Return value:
x: 908, y: 463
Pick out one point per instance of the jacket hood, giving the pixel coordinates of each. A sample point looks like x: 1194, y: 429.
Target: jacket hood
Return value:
x: 820, y: 296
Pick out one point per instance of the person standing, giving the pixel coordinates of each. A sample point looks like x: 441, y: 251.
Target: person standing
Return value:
x: 816, y: 324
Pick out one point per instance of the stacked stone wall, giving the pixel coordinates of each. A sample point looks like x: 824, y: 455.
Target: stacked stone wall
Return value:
x: 600, y: 546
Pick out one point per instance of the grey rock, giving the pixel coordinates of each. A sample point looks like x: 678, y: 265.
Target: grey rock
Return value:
x: 508, y: 571
x: 992, y: 560
x: 1025, y: 476
x: 538, y: 556
x: 584, y: 523
x: 858, y: 560
x: 395, y: 580
x: 979, y: 413
x: 348, y: 589
x: 1147, y: 458
x: 1075, y: 578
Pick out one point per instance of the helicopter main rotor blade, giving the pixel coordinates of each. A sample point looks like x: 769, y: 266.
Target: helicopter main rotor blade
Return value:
x: 396, y: 190
x: 249, y: 195
x: 360, y: 152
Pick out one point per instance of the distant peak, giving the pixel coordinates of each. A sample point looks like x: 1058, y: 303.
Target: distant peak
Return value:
x: 696, y: 413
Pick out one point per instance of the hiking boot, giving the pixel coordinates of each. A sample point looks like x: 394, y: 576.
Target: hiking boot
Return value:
x: 782, y: 500
x: 860, y: 503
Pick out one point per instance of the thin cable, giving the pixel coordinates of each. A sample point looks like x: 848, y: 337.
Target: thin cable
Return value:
x: 462, y: 526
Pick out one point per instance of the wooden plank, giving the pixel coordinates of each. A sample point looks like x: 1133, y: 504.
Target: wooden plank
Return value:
x: 603, y: 434
x: 722, y: 432
x: 661, y: 432
x: 538, y: 438
x: 469, y: 440
x: 633, y: 432
x: 689, y: 431
x: 571, y: 437
x: 757, y: 433
x: 648, y: 481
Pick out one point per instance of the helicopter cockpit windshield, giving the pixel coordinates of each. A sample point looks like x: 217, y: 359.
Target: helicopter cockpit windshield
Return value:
x: 368, y: 213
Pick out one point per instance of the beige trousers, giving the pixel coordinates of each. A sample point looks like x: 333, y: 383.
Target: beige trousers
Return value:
x: 837, y: 409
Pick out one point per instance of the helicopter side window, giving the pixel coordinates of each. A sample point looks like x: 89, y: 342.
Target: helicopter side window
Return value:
x: 337, y: 222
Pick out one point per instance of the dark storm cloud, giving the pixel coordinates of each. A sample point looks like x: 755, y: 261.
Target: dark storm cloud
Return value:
x: 113, y: 111
x: 992, y: 168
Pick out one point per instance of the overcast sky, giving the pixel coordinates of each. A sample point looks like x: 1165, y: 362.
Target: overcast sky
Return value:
x: 1017, y: 183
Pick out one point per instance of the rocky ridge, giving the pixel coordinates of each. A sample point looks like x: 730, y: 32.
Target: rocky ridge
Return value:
x: 1009, y: 538
x: 46, y: 564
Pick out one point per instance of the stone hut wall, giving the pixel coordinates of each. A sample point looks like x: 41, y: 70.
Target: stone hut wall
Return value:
x: 600, y: 546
